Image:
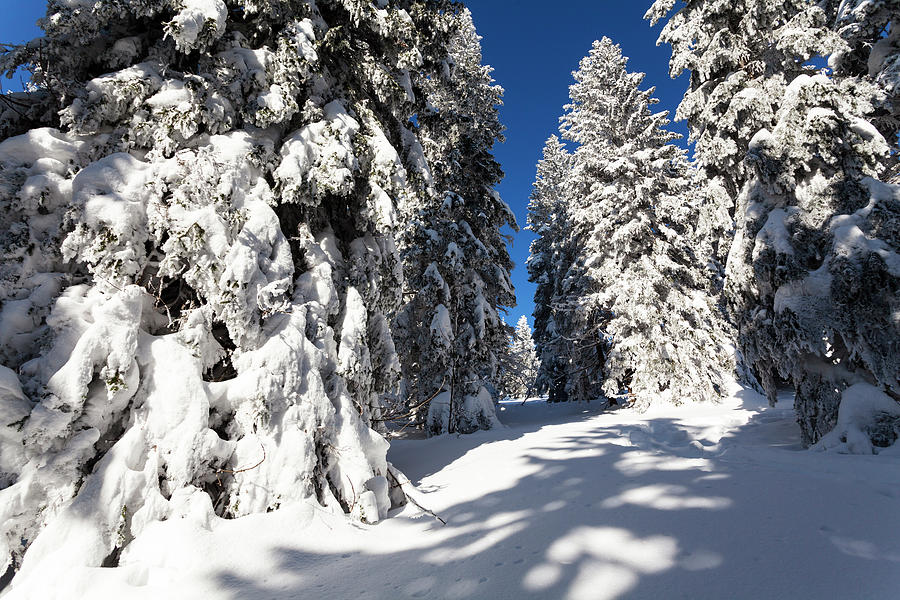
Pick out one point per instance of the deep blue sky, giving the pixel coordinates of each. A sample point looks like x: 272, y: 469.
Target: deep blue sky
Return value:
x: 533, y: 47
x: 17, y: 24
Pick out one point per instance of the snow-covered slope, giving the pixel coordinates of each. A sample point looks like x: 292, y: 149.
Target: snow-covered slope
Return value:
x: 703, y: 501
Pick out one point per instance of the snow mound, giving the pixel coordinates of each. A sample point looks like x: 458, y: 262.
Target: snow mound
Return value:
x: 868, y: 422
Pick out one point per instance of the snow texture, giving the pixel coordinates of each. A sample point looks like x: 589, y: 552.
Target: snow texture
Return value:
x: 711, y: 500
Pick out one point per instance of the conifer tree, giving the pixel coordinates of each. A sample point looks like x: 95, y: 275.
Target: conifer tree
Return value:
x: 813, y: 273
x: 870, y: 30
x: 457, y: 266
x: 520, y: 365
x: 810, y: 279
x: 740, y: 56
x: 550, y: 257
x: 646, y: 321
x: 199, y: 261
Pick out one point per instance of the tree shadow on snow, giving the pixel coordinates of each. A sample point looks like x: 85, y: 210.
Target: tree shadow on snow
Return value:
x: 616, y: 511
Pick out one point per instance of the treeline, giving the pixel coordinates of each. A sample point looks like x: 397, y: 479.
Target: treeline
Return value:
x: 779, y: 238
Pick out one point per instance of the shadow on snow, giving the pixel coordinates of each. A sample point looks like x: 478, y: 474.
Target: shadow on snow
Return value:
x: 605, y: 509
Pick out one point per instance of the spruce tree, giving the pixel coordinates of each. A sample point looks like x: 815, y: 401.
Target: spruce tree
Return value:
x: 646, y: 320
x: 810, y: 277
x: 740, y: 56
x: 199, y: 262
x: 550, y: 257
x: 814, y: 274
x: 870, y: 30
x: 520, y: 365
x: 457, y: 266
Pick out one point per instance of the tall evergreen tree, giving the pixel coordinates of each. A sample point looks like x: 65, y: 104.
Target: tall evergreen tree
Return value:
x: 646, y: 320
x: 550, y: 257
x: 199, y: 261
x: 455, y: 257
x: 812, y: 274
x: 740, y: 56
x: 810, y: 277
x: 520, y: 365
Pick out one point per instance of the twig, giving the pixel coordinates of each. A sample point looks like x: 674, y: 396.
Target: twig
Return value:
x: 13, y: 104
x: 410, y: 498
x: 411, y: 410
x: 108, y: 282
x: 244, y: 470
x: 353, y: 489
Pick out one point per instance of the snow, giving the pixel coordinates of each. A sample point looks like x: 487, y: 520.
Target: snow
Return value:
x: 392, y: 176
x: 114, y: 193
x: 173, y: 94
x: 195, y: 18
x: 38, y: 144
x: 479, y: 409
x: 849, y: 238
x: 774, y: 233
x: 861, y: 404
x: 866, y: 130
x: 805, y: 296
x: 14, y: 407
x: 441, y: 328
x: 760, y: 139
x: 40, y: 160
x: 319, y: 158
x: 704, y: 500
x: 305, y: 39
x: 183, y: 342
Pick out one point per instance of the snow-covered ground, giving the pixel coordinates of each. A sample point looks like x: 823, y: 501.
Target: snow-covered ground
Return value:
x: 710, y: 501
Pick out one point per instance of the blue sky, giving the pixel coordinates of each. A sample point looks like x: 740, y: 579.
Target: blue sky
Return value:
x: 18, y: 24
x: 533, y: 47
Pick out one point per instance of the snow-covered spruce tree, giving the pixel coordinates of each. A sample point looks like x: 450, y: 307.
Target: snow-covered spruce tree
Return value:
x: 450, y: 333
x: 648, y: 304
x: 871, y: 32
x: 740, y: 56
x: 550, y: 257
x: 196, y: 267
x: 520, y: 369
x: 815, y: 271
x: 811, y: 280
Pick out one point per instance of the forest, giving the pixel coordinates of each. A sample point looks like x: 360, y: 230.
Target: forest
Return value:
x: 256, y: 291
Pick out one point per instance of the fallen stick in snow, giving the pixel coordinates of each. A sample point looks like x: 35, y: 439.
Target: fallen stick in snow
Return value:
x: 353, y: 489
x: 393, y: 474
